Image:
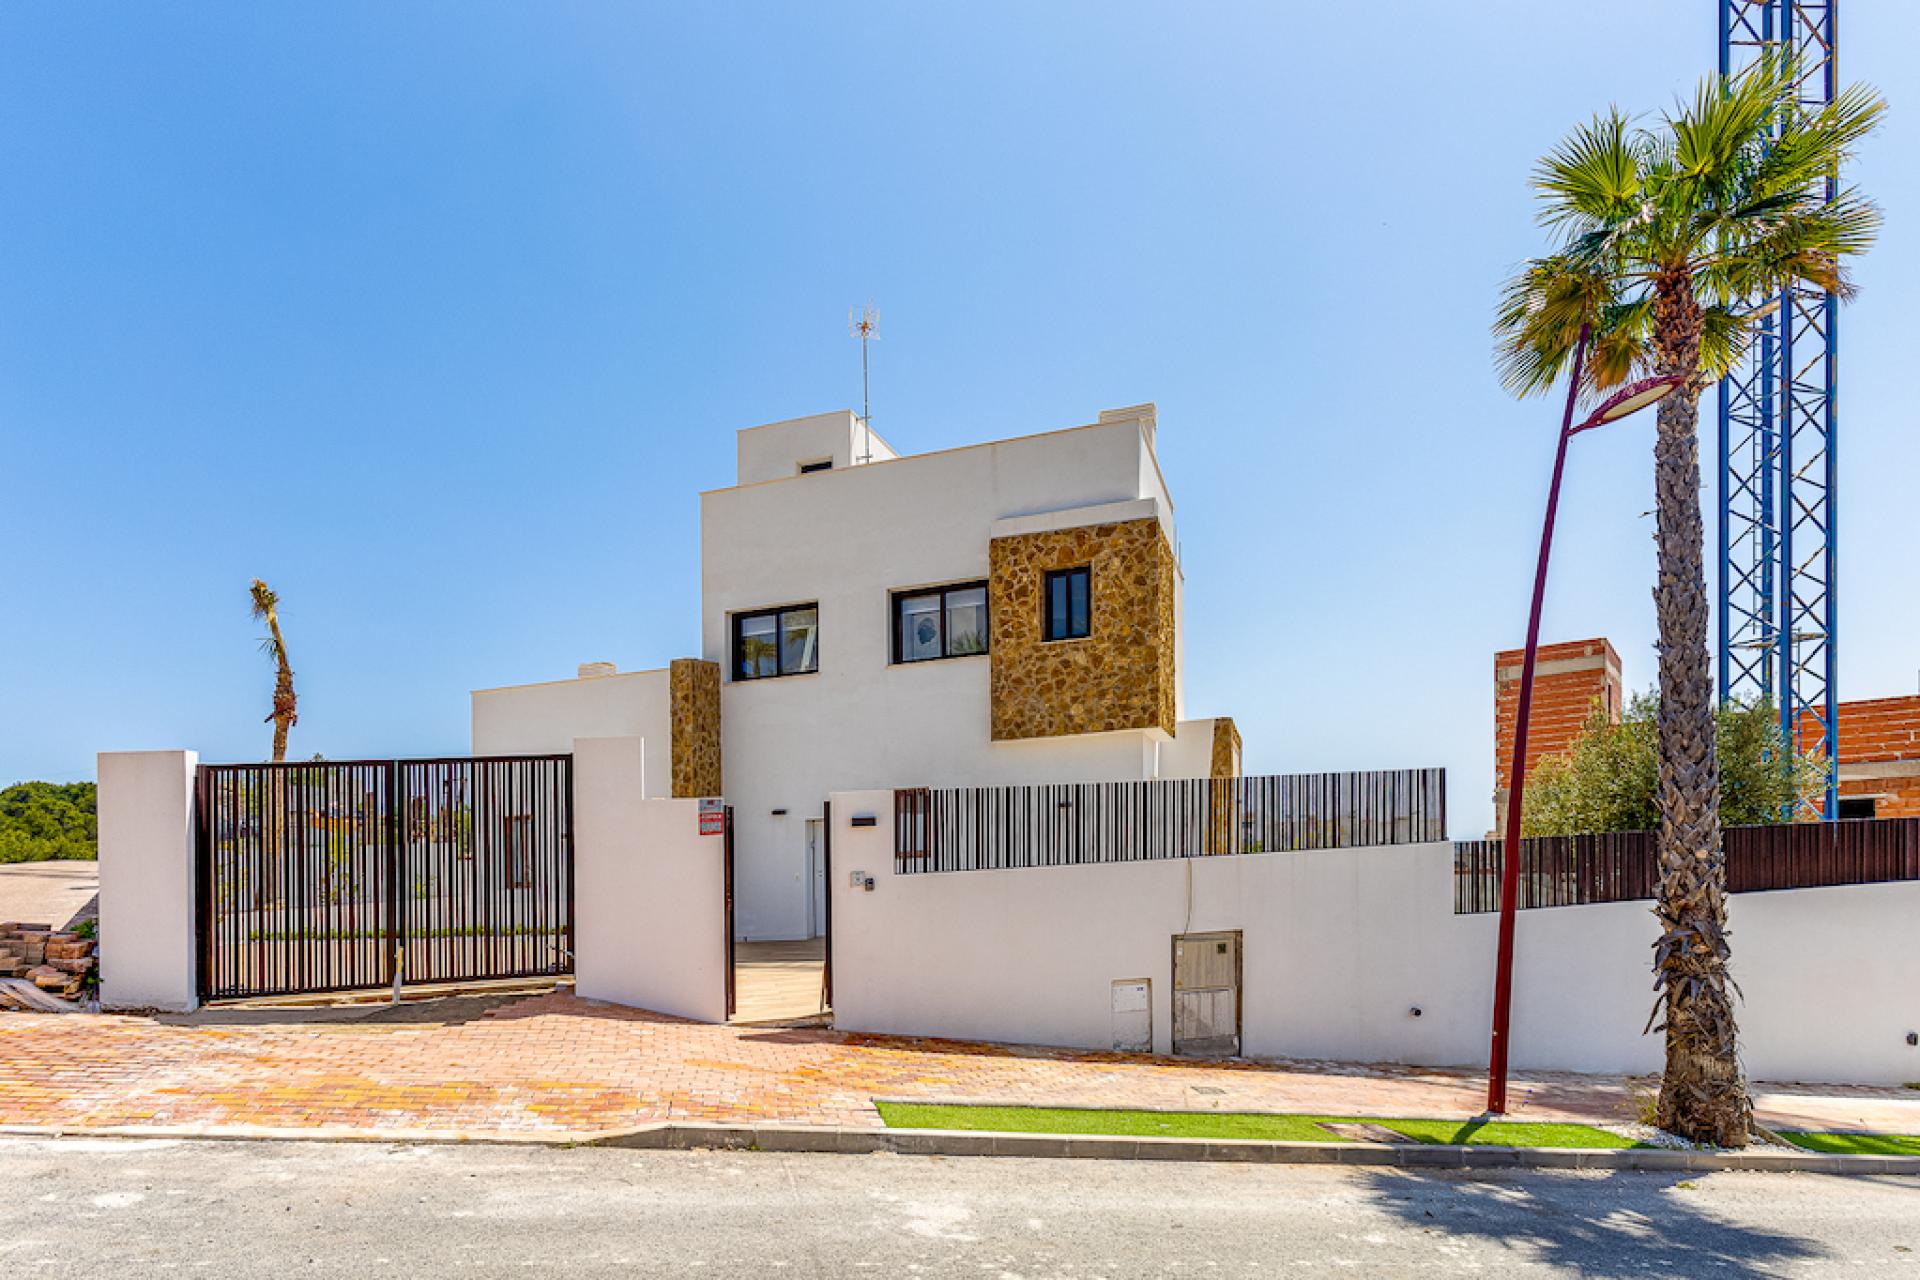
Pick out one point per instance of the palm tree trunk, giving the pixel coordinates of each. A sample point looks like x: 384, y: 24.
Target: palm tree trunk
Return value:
x: 1703, y: 1095
x: 284, y: 713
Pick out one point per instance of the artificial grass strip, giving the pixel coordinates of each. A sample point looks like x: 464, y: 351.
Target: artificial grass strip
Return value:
x: 1857, y: 1144
x: 1507, y: 1133
x: 1230, y: 1124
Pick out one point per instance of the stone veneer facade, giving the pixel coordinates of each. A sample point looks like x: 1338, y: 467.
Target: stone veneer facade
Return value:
x: 695, y: 689
x: 1226, y: 749
x: 1223, y: 767
x: 1121, y: 675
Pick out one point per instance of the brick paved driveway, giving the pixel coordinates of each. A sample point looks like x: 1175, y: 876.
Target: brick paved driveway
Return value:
x: 552, y: 1064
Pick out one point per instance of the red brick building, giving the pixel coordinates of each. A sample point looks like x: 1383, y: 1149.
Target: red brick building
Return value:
x: 1567, y: 680
x: 1879, y: 737
x: 1880, y: 758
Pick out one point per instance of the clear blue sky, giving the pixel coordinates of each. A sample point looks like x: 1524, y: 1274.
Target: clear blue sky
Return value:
x: 438, y: 316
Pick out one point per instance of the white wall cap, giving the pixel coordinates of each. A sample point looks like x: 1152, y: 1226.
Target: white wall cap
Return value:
x: 653, y: 672
x: 1080, y: 517
x: 1148, y: 413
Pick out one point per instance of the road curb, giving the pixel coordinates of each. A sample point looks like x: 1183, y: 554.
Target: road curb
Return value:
x: 829, y: 1140
x: 675, y: 1136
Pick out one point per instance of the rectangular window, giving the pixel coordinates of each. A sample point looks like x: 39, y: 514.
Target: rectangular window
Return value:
x: 1069, y: 604
x: 940, y: 622
x: 776, y: 642
x: 808, y: 468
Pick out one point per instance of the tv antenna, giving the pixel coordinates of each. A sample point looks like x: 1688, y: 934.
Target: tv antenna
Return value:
x: 864, y: 323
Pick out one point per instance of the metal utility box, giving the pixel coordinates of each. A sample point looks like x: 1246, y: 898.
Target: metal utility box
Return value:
x: 1133, y: 1016
x: 1206, y: 994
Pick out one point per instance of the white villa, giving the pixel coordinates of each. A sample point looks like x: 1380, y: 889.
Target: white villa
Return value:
x: 1002, y: 613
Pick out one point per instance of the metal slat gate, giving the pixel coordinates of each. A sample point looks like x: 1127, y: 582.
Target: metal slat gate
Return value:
x: 332, y: 876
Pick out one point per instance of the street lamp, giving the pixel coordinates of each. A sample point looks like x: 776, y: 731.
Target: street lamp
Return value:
x: 1629, y: 399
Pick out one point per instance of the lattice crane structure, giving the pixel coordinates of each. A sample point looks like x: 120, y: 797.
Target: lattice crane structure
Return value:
x: 1778, y: 620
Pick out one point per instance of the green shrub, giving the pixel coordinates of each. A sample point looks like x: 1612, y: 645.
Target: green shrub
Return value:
x: 47, y: 820
x: 1608, y: 780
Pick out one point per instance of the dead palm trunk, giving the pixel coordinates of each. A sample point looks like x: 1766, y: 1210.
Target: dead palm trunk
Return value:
x: 266, y: 608
x: 1703, y: 1095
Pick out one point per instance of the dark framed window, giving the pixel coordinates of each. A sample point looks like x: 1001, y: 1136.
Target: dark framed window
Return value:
x: 1069, y: 604
x: 776, y: 642
x: 940, y: 622
x: 808, y: 468
x: 1855, y: 807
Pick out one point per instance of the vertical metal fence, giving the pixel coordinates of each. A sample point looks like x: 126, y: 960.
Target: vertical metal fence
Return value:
x: 1072, y: 824
x: 332, y: 876
x: 1566, y: 871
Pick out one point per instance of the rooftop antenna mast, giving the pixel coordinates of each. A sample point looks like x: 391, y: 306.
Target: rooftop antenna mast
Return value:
x: 864, y: 323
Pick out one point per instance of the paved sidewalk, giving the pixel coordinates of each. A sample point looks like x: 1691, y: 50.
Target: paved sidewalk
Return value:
x: 553, y: 1065
x: 49, y: 893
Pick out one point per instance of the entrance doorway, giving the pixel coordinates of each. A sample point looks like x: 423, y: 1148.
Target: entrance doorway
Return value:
x: 1206, y: 994
x: 816, y: 881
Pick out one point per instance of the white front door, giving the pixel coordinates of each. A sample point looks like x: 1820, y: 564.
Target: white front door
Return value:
x: 816, y: 881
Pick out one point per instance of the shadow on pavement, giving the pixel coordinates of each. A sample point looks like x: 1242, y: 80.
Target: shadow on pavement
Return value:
x: 1614, y: 1223
x: 441, y: 1011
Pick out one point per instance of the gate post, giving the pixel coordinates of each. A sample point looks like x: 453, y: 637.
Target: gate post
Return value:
x: 651, y: 883
x: 149, y: 907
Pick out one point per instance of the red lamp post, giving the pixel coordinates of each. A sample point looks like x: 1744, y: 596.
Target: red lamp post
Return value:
x: 1629, y: 399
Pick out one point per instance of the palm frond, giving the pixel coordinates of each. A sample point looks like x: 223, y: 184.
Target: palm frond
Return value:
x: 1723, y: 336
x: 1621, y: 345
x: 1591, y: 177
x: 1812, y: 146
x: 1807, y: 246
x: 1713, y: 135
x: 1538, y: 322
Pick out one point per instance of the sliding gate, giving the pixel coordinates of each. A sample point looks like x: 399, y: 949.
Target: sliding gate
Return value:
x: 331, y: 876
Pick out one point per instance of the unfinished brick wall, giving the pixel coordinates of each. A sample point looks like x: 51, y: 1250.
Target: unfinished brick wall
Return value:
x: 1879, y: 754
x: 1567, y: 679
x: 1879, y: 737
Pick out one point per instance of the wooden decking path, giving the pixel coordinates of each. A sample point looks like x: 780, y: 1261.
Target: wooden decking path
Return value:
x: 778, y: 981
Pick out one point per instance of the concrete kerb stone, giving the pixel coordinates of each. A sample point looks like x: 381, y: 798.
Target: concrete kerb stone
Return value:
x: 691, y: 1136
x: 973, y: 1142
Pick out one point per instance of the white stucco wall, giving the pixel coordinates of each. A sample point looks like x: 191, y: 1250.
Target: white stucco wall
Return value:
x: 649, y: 890
x: 1190, y: 754
x: 545, y: 718
x: 1339, y: 946
x: 848, y: 539
x: 777, y: 450
x: 148, y: 956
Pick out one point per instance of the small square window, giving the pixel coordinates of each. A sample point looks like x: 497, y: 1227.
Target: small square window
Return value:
x: 1069, y: 604
x: 776, y: 642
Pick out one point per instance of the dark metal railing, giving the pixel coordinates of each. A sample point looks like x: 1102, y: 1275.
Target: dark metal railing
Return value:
x: 1074, y: 824
x: 1568, y: 871
x: 332, y: 876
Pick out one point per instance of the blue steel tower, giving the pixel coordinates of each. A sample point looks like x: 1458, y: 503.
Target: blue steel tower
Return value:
x: 1777, y: 609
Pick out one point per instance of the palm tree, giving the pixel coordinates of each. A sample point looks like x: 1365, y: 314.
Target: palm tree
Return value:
x: 266, y: 608
x: 1662, y: 231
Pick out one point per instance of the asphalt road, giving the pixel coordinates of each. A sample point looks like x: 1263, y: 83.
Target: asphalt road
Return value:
x: 94, y: 1207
